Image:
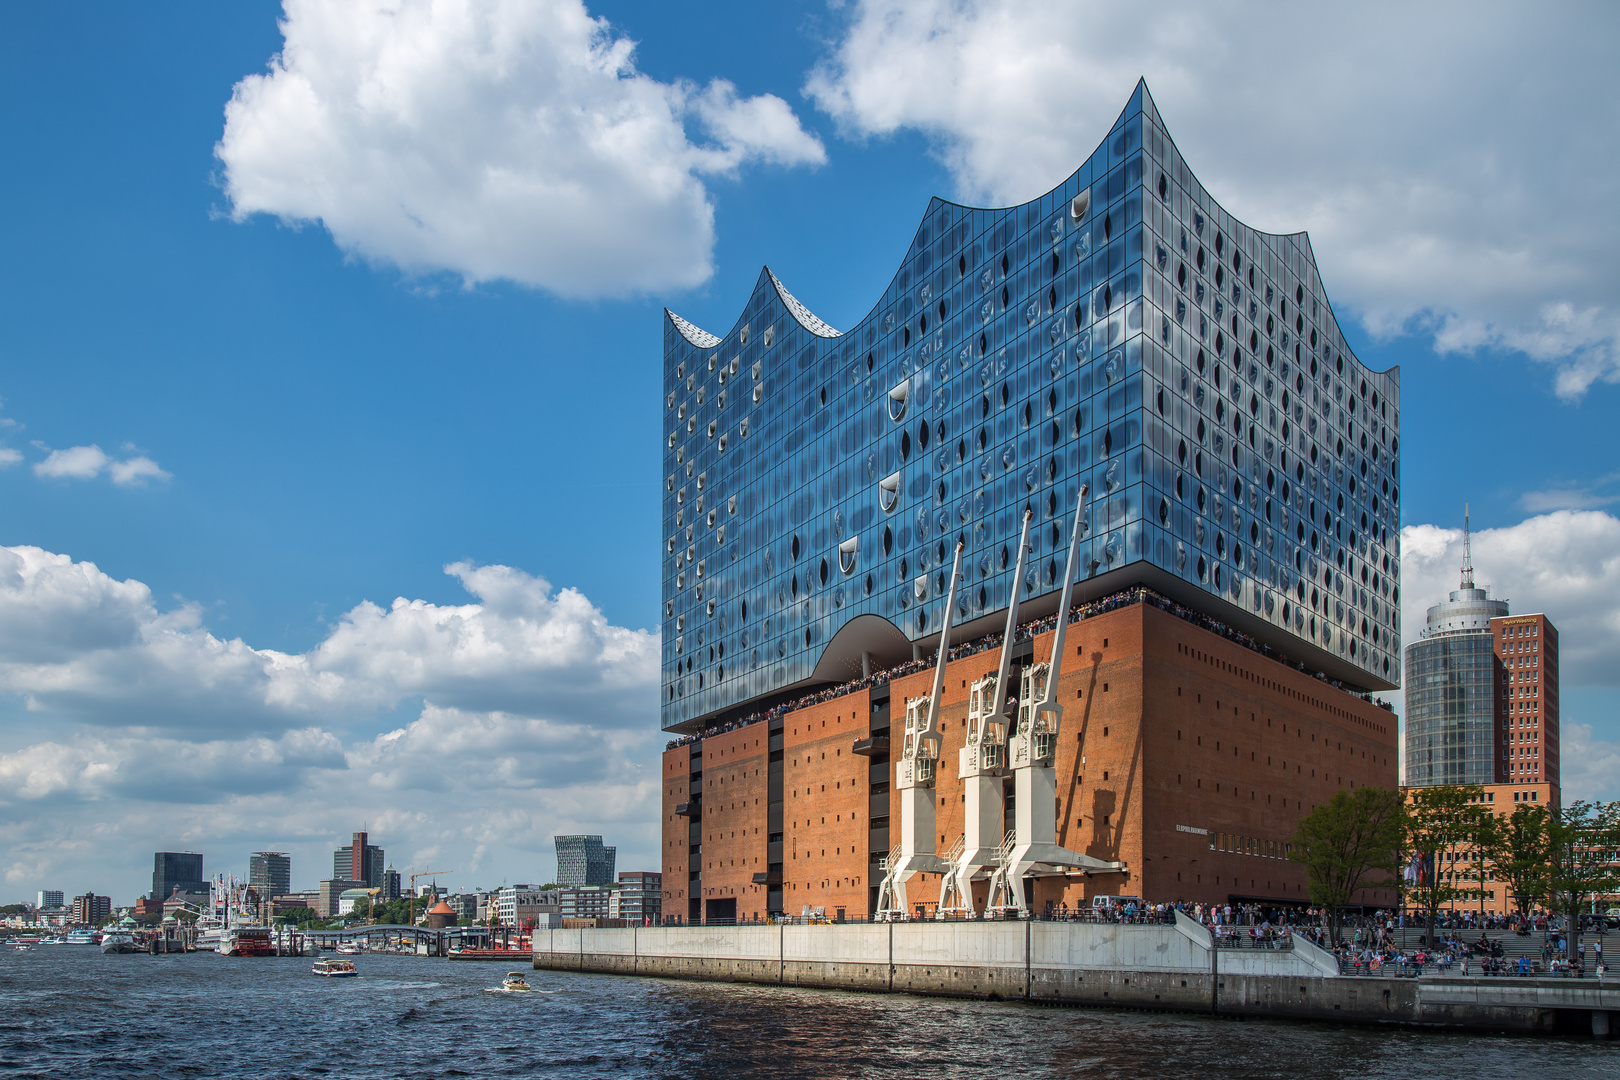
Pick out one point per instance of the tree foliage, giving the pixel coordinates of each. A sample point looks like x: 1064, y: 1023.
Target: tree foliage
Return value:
x: 1583, y: 856
x: 1441, y: 823
x: 1515, y: 849
x: 300, y: 916
x: 1349, y: 843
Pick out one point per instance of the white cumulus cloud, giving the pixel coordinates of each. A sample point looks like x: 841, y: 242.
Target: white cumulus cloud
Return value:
x: 1443, y: 155
x: 89, y: 462
x: 74, y: 463
x: 494, y: 139
x: 8, y: 456
x: 77, y: 643
x: 527, y: 713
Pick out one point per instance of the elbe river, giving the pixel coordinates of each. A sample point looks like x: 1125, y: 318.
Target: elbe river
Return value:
x: 70, y: 1011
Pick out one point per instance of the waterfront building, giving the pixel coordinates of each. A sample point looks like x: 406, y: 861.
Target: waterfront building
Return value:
x: 586, y: 902
x: 583, y: 860
x: 355, y: 901
x: 441, y: 916
x: 1451, y: 689
x: 329, y: 895
x: 1238, y: 571
x: 359, y: 861
x: 1527, y: 728
x: 639, y: 897
x: 270, y: 873
x: 280, y: 905
x: 467, y: 904
x: 1482, y: 694
x: 89, y: 909
x: 520, y: 905
x: 180, y: 871
x: 50, y: 898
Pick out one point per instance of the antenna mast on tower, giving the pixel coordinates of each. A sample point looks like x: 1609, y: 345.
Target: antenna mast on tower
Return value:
x: 1468, y: 558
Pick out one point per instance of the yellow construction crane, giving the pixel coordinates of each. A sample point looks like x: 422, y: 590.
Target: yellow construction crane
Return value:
x: 411, y: 908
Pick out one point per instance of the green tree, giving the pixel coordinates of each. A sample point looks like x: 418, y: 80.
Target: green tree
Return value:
x: 1515, y: 850
x: 299, y: 916
x: 1349, y: 843
x: 1441, y: 824
x: 1583, y: 858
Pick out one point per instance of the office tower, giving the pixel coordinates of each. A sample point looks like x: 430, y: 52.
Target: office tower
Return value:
x: 1122, y: 332
x: 582, y: 860
x: 1451, y: 692
x: 359, y: 861
x: 182, y: 870
x: 270, y: 874
x: 1526, y: 676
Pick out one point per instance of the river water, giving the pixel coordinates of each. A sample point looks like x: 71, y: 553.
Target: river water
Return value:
x: 70, y: 1011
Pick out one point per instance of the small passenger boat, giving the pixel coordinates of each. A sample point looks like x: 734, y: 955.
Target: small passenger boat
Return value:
x: 334, y: 969
x: 515, y: 983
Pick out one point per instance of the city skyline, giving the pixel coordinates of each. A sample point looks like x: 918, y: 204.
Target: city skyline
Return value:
x: 285, y: 413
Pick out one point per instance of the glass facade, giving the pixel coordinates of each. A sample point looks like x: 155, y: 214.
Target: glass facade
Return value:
x: 1451, y: 683
x: 1123, y: 332
x: 1450, y: 710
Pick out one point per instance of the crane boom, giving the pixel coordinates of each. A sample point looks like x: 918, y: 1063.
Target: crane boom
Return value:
x: 983, y: 761
x: 1034, y: 848
x: 914, y: 778
x: 1049, y: 702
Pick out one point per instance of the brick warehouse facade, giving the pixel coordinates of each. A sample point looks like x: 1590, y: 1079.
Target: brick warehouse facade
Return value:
x: 1186, y: 756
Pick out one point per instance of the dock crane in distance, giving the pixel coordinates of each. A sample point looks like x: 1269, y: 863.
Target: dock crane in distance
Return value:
x: 982, y: 762
x: 914, y: 779
x: 1033, y: 753
x: 411, y: 907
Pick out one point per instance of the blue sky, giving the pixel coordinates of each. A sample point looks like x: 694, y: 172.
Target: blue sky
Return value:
x: 301, y: 406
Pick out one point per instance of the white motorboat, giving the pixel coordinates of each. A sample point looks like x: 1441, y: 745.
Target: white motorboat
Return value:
x: 515, y: 983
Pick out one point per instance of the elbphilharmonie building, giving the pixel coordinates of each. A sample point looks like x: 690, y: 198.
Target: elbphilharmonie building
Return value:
x: 1122, y: 332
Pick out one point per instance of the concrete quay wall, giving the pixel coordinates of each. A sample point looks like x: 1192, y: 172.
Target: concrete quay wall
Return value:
x: 1080, y: 964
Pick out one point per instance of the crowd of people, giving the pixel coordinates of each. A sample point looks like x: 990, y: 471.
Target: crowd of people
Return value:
x: 1139, y: 594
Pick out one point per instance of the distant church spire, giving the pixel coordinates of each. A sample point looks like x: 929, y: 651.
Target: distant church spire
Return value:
x: 1468, y: 558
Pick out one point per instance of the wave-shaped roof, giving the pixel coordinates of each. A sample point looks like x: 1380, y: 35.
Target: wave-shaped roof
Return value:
x: 695, y: 334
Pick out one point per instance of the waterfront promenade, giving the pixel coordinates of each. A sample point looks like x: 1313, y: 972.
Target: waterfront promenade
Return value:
x: 1173, y: 967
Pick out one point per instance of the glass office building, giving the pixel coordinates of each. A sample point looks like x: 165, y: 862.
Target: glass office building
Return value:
x: 1451, y: 683
x: 1122, y: 332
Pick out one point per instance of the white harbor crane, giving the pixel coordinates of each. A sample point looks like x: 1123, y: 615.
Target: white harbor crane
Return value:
x: 982, y: 764
x: 914, y: 779
x: 1033, y: 752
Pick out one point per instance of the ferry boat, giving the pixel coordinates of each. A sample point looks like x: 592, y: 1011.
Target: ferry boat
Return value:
x: 334, y: 969
x: 118, y: 941
x: 79, y: 937
x: 246, y: 941
x: 349, y: 948
x: 54, y: 939
x: 228, y: 926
